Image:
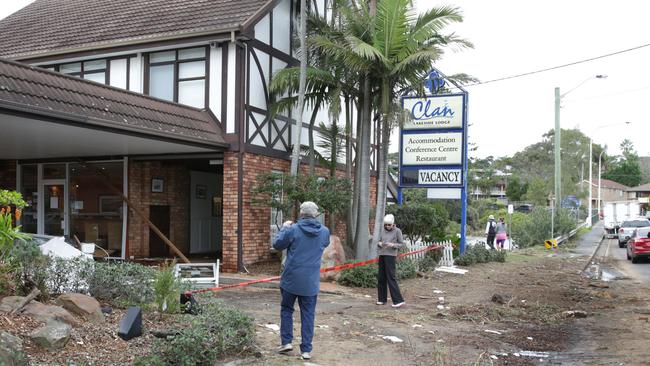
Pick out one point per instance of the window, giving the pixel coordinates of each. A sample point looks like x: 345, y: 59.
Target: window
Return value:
x: 112, y: 71
x: 179, y: 76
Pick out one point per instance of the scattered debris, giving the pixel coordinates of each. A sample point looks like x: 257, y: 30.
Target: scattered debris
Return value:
x: 441, y: 307
x: 644, y: 318
x: 391, y: 338
x: 643, y: 311
x: 598, y: 285
x: 432, y: 332
x: 416, y: 326
x: 451, y: 270
x: 438, y: 292
x: 492, y: 331
x: 273, y: 327
x: 323, y: 326
x: 575, y: 314
x: 529, y: 338
x: 441, y: 300
x: 533, y: 354
x: 494, y: 357
x: 501, y: 299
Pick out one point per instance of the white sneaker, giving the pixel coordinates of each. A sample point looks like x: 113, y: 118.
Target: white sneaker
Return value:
x: 380, y: 303
x: 285, y: 348
x: 305, y: 356
x: 399, y: 305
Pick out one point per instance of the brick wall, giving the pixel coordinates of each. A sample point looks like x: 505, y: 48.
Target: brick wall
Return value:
x: 256, y: 219
x: 8, y: 174
x: 176, y: 195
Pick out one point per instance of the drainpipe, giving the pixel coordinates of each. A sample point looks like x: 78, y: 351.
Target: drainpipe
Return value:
x: 241, y: 63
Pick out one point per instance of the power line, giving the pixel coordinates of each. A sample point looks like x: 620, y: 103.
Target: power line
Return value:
x: 559, y: 66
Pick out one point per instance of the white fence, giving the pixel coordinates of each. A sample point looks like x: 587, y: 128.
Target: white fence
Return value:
x: 447, y: 258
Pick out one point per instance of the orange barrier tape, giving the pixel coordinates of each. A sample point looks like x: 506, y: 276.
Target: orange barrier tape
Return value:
x: 323, y: 270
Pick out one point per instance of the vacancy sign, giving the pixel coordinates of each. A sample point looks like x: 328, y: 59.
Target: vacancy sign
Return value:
x: 433, y: 141
x: 432, y: 113
x: 432, y: 149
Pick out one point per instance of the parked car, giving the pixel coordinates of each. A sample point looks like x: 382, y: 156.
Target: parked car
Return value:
x: 639, y: 244
x: 628, y: 227
x: 525, y: 208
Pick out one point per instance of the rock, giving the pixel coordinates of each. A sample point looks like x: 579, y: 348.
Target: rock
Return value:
x: 54, y: 335
x: 82, y: 305
x: 11, y: 350
x: 49, y: 312
x: 333, y: 255
x: 9, y: 303
x: 501, y: 299
x: 575, y: 314
x: 643, y: 311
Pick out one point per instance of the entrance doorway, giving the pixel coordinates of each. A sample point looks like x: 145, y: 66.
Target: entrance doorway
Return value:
x: 54, y: 208
x: 159, y: 216
x: 205, y: 212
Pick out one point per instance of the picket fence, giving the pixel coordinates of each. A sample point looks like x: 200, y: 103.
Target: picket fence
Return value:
x: 447, y: 251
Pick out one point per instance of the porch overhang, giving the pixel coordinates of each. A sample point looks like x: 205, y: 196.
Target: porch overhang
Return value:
x: 28, y: 136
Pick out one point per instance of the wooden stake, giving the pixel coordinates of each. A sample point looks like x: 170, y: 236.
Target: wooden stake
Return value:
x: 32, y: 295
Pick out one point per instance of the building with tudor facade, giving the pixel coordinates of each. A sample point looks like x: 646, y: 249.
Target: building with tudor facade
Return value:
x: 163, y: 101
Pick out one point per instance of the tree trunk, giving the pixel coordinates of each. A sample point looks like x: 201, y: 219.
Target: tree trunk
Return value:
x: 382, y: 178
x: 312, y: 155
x: 357, y: 169
x: 295, y: 154
x: 364, y: 177
x: 349, y: 234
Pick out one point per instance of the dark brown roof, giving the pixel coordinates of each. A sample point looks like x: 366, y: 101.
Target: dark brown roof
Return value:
x: 641, y: 188
x: 33, y: 90
x: 606, y: 183
x: 58, y: 25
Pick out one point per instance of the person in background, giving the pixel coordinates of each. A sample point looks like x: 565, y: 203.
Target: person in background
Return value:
x: 390, y: 242
x: 305, y: 242
x: 491, y: 231
x: 501, y: 233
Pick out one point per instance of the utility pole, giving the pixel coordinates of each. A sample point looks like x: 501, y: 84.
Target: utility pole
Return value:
x: 558, y: 150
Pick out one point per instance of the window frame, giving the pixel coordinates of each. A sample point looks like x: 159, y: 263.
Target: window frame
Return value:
x: 106, y: 70
x: 177, y: 79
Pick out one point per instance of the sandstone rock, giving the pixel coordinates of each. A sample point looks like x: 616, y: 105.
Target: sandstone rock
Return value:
x: 11, y: 350
x: 55, y: 335
x: 82, y: 305
x: 9, y: 303
x: 333, y: 255
x: 49, y: 312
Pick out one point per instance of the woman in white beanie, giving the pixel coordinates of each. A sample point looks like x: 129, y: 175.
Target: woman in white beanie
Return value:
x: 390, y: 242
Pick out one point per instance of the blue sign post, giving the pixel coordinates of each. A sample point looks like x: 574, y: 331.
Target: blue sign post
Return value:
x: 433, y: 145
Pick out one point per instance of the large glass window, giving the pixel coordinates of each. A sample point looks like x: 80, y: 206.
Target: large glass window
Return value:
x: 179, y: 76
x: 96, y: 211
x: 29, y: 190
x: 112, y: 71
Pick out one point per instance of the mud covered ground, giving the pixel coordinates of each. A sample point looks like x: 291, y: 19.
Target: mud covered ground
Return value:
x: 526, y: 326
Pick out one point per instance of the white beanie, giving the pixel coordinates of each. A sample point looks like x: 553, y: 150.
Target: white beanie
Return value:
x: 308, y: 208
x: 389, y: 219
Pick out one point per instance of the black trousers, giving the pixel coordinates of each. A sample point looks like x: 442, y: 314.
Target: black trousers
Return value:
x: 490, y: 240
x: 386, y: 276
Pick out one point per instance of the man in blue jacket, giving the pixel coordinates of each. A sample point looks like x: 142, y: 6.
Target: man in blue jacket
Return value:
x: 305, y: 242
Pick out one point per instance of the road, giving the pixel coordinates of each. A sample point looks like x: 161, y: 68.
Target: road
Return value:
x: 617, y: 257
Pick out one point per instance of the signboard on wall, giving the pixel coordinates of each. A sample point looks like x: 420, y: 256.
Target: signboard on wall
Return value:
x: 433, y: 142
x: 444, y: 111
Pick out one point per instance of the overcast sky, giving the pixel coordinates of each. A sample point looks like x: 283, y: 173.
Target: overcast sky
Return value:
x: 513, y: 37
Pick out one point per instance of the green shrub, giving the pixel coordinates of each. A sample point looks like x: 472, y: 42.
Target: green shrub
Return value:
x: 479, y: 254
x: 534, y: 228
x: 30, y: 266
x: 217, y: 331
x: 364, y: 276
x: 406, y: 268
x: 430, y: 260
x: 167, y: 289
x: 122, y: 283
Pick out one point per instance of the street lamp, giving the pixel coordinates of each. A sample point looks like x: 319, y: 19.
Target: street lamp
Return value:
x: 558, y: 140
x: 591, y: 143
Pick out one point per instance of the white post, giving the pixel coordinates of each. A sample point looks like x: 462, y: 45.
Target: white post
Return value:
x: 589, y: 223
x: 600, y: 157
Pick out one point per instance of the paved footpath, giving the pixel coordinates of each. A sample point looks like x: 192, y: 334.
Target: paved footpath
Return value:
x: 588, y: 242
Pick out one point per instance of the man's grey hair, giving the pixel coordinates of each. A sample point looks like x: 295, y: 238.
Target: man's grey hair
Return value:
x: 309, y: 209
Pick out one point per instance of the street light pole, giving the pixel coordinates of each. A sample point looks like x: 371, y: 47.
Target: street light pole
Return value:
x: 558, y: 142
x: 600, y: 160
x: 589, y: 213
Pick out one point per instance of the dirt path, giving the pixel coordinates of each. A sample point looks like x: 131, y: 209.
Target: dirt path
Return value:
x: 537, y: 291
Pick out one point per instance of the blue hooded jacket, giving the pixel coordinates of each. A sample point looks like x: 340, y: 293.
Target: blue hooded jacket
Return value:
x: 305, y: 242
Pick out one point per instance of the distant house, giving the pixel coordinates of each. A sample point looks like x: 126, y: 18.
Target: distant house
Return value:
x: 496, y: 190
x: 610, y: 191
x: 641, y: 193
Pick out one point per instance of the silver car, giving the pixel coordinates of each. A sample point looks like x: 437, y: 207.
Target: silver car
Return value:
x: 628, y: 227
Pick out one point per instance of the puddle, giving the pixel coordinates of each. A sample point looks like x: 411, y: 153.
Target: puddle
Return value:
x: 608, y: 276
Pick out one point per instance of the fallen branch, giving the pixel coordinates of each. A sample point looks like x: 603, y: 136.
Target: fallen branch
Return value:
x: 32, y: 295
